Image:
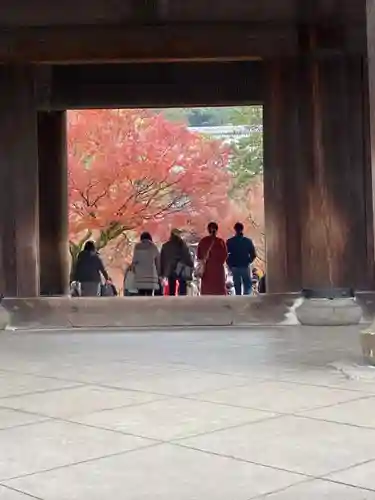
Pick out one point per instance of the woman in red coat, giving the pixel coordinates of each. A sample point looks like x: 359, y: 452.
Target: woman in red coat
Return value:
x: 213, y: 251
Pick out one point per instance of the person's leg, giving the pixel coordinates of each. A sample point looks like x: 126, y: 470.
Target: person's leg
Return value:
x: 172, y: 282
x: 183, y: 287
x: 246, y: 280
x: 237, y: 280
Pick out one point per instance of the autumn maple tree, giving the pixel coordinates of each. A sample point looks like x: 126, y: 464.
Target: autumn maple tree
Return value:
x: 133, y: 169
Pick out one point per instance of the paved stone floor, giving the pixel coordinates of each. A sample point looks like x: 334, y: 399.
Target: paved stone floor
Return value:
x: 235, y: 414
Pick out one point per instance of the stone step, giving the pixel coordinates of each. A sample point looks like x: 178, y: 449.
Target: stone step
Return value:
x: 143, y: 312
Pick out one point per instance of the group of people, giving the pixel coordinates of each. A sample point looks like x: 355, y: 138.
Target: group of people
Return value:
x: 174, y: 266
x: 238, y: 253
x: 149, y: 267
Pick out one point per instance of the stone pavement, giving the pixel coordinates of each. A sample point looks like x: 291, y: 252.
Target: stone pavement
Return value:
x: 224, y: 414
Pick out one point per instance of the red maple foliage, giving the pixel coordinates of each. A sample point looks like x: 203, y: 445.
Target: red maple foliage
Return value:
x: 133, y: 170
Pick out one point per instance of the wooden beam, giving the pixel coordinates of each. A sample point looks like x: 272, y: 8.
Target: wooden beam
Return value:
x: 144, y: 10
x: 150, y: 95
x: 66, y: 12
x: 152, y: 85
x: 119, y: 43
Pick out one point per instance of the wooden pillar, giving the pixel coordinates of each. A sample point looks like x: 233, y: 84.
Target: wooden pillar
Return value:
x: 53, y: 176
x: 19, y: 226
x: 370, y: 107
x: 335, y: 245
x: 318, y: 207
x: 281, y: 172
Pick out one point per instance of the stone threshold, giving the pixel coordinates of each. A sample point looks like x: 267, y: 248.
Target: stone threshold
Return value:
x: 142, y: 312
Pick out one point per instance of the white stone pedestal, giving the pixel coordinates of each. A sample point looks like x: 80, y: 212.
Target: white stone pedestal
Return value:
x: 4, y: 318
x: 329, y: 312
x: 367, y: 339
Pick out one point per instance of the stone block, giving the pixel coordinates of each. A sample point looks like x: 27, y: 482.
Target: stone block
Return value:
x: 141, y: 312
x: 367, y: 302
x: 329, y: 312
x: 4, y: 318
x: 367, y: 340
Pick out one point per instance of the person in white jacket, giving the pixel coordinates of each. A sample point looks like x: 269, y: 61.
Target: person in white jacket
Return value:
x: 146, y: 266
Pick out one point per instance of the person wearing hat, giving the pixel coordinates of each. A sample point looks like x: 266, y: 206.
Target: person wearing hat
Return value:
x: 176, y: 263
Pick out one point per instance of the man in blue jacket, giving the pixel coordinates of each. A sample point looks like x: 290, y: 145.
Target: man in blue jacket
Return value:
x: 241, y: 254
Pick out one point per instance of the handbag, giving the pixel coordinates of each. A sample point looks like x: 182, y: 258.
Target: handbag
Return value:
x: 129, y: 281
x: 201, y: 266
x: 107, y: 290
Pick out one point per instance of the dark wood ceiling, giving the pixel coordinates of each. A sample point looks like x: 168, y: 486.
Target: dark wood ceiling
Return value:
x: 75, y: 31
x: 65, y: 12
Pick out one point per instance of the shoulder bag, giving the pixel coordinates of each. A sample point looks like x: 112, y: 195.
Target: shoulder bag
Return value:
x: 201, y: 266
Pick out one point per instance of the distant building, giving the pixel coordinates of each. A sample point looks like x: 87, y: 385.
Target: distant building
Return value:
x: 227, y: 133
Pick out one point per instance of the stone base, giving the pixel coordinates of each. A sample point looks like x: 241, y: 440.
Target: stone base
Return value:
x: 327, y: 312
x: 142, y: 312
x: 367, y: 302
x: 367, y: 340
x: 4, y: 318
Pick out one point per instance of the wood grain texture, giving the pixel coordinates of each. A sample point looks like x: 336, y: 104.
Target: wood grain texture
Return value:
x: 319, y: 216
x: 141, y: 85
x: 145, y: 43
x: 282, y: 164
x: 19, y: 262
x: 53, y: 203
x: 54, y: 12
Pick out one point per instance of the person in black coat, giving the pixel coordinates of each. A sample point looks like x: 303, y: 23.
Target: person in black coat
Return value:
x: 176, y: 263
x: 89, y: 270
x: 241, y: 254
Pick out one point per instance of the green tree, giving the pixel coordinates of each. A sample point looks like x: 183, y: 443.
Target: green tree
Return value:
x: 209, y: 117
x: 174, y: 114
x: 247, y: 160
x: 199, y: 117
